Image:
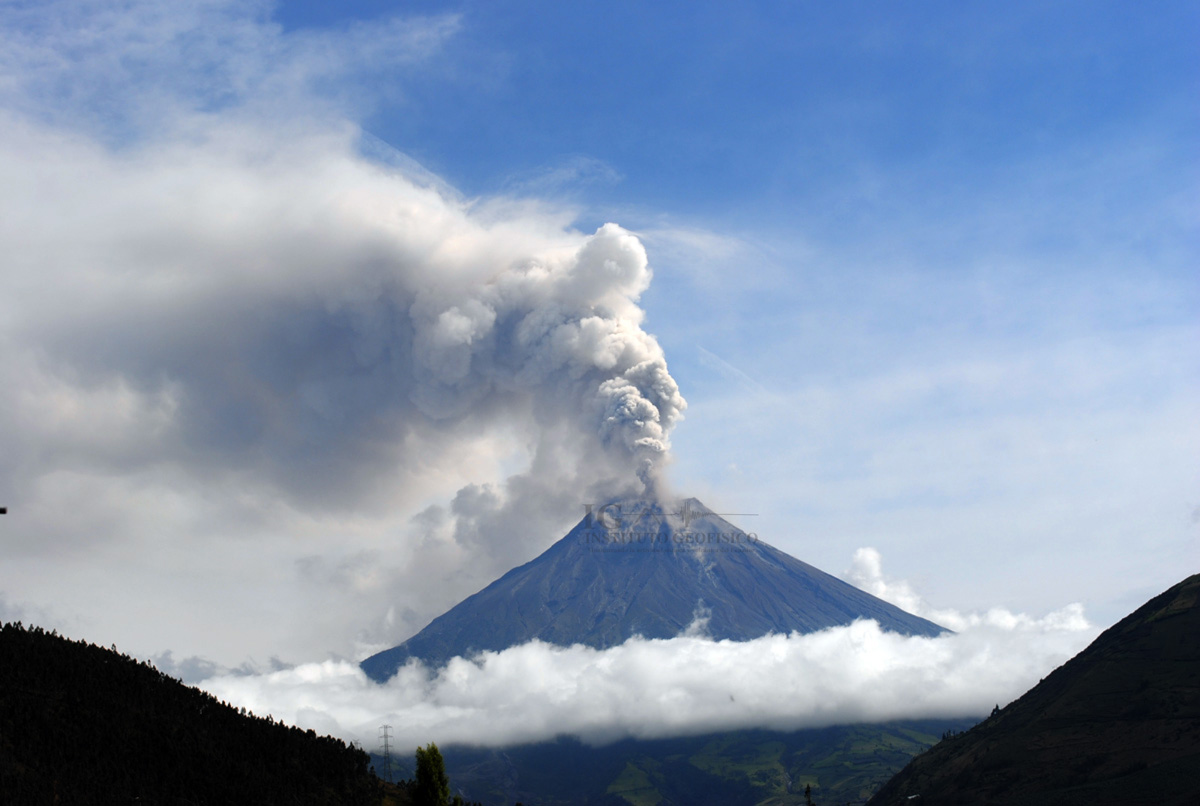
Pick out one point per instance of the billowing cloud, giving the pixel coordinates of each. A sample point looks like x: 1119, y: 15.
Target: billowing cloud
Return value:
x: 866, y: 572
x: 232, y: 339
x: 684, y: 685
x: 309, y: 319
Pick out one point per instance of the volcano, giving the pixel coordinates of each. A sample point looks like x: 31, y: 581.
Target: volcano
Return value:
x: 639, y: 568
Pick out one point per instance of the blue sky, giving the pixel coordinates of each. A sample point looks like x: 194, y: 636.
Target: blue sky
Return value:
x: 997, y: 203
x: 925, y: 274
x: 703, y: 110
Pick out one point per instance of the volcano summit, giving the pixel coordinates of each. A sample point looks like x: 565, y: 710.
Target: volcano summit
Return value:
x: 636, y: 568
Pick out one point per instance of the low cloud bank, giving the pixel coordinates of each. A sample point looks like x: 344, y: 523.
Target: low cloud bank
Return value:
x: 680, y: 686
x: 866, y: 572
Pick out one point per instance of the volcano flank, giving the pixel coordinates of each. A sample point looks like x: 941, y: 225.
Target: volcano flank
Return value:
x: 637, y: 568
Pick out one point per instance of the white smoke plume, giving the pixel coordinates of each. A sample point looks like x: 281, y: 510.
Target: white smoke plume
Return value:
x: 680, y: 686
x: 238, y: 348
x: 252, y: 339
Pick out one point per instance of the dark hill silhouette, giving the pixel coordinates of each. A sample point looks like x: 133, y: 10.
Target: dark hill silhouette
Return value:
x: 80, y: 724
x: 636, y: 568
x: 1118, y: 723
x: 842, y: 764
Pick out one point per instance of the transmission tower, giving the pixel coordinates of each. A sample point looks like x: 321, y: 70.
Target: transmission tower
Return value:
x: 385, y: 736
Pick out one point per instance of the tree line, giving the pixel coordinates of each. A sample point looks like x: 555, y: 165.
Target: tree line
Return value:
x: 83, y: 724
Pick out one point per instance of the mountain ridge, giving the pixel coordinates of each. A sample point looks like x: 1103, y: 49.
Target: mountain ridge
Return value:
x: 1118, y: 723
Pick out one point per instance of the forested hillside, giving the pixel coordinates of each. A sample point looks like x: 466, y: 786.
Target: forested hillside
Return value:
x: 82, y: 724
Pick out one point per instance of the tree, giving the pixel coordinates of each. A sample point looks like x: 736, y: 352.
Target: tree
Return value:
x: 432, y: 786
x: 808, y: 795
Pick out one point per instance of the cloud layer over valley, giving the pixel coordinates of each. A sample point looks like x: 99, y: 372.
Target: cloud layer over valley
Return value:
x: 680, y: 686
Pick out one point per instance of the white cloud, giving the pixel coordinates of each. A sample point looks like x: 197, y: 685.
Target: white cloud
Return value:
x: 249, y: 371
x: 680, y: 686
x: 1017, y: 472
x: 563, y: 176
x: 866, y: 573
x: 138, y: 71
x: 297, y: 327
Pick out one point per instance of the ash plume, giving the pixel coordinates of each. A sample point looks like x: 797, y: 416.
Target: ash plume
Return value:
x: 232, y: 317
x: 561, y: 327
